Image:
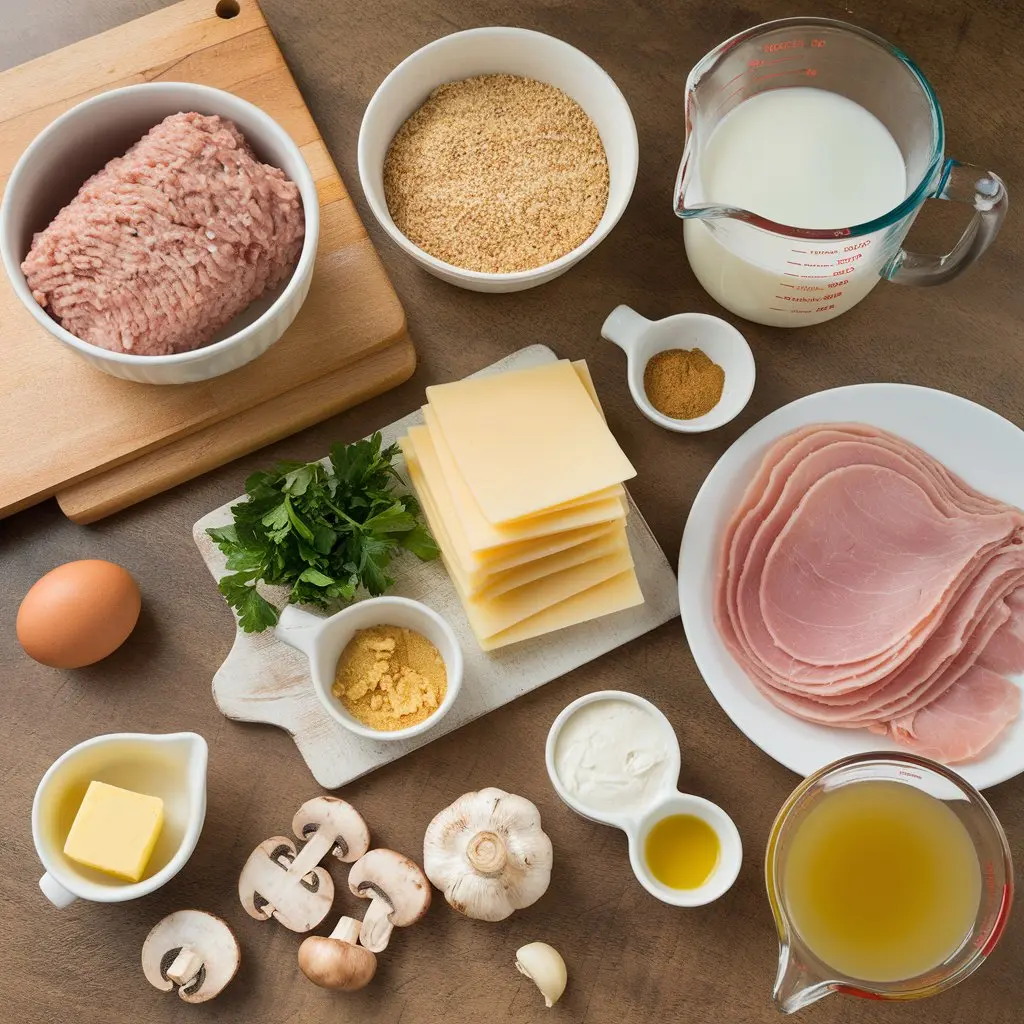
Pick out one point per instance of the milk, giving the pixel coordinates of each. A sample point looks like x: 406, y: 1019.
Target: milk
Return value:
x: 807, y: 158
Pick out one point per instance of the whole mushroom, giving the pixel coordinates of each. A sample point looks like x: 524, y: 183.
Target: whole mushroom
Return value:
x: 488, y: 854
x: 192, y: 951
x: 336, y: 961
x: 398, y: 891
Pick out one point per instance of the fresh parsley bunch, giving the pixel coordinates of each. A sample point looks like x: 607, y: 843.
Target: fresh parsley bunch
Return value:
x: 324, y: 531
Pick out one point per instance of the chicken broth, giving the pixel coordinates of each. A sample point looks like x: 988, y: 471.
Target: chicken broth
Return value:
x: 882, y: 881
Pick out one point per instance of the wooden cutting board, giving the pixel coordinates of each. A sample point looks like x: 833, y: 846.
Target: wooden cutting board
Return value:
x: 99, y: 443
x: 264, y: 680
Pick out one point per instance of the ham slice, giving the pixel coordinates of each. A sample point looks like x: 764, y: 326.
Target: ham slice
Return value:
x: 861, y: 584
x: 862, y: 562
x: 965, y: 721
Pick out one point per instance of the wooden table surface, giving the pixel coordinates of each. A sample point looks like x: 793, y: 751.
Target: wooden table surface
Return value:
x: 630, y: 958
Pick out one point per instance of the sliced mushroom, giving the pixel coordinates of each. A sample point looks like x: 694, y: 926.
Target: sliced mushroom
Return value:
x: 273, y: 885
x: 398, y: 891
x: 336, y: 961
x: 192, y: 951
x: 329, y: 825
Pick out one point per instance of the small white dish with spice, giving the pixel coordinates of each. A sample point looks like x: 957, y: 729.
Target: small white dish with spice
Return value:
x: 374, y: 660
x: 613, y: 758
x: 644, y: 341
x: 558, y: 114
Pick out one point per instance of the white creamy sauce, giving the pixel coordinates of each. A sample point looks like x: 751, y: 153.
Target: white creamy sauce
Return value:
x: 613, y: 756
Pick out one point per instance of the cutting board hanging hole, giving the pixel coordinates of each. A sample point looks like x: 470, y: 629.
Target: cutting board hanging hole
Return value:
x: 227, y: 8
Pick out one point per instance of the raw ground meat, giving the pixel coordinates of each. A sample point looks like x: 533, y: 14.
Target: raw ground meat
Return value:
x: 863, y: 585
x: 166, y: 244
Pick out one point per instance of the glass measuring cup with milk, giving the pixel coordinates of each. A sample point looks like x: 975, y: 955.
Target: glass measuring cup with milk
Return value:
x: 811, y: 145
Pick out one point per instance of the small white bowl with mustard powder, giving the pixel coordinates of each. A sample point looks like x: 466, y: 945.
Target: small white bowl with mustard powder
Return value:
x: 386, y: 668
x: 498, y: 157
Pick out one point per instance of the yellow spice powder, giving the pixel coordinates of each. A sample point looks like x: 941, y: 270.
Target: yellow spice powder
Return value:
x: 389, y: 677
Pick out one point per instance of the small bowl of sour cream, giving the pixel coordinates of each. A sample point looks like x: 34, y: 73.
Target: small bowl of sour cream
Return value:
x: 613, y: 758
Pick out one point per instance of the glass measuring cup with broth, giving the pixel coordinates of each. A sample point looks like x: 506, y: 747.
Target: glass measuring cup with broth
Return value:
x: 811, y: 146
x: 889, y: 877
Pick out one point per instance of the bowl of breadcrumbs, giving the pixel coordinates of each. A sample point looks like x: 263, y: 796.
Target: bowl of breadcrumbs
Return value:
x: 498, y: 157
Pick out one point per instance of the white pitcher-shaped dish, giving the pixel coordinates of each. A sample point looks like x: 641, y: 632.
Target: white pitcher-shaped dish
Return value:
x: 172, y: 767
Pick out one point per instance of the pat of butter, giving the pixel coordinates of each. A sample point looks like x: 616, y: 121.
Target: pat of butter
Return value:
x: 115, y: 831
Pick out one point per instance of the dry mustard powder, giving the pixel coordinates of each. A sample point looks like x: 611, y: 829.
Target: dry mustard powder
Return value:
x: 497, y: 173
x: 683, y: 384
x: 390, y: 678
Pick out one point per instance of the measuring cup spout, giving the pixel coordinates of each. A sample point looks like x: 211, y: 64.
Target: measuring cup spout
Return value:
x: 796, y: 986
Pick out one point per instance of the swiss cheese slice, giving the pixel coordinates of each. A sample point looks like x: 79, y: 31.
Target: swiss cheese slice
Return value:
x: 607, y: 543
x: 491, y: 615
x: 614, y: 595
x: 527, y: 440
x: 470, y: 532
x: 466, y: 505
x: 475, y: 571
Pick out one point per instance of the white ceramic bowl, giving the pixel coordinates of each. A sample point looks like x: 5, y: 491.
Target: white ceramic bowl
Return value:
x: 79, y: 143
x: 323, y: 640
x: 641, y: 339
x: 514, y: 51
x: 637, y: 822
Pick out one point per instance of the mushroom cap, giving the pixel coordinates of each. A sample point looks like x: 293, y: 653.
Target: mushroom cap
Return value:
x: 300, y: 904
x: 207, y: 936
x: 338, y: 819
x: 331, y: 963
x: 394, y: 878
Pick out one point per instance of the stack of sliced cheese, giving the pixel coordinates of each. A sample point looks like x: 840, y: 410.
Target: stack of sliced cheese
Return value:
x: 521, y: 482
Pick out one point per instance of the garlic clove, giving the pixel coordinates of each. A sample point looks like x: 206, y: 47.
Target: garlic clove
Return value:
x: 544, y: 966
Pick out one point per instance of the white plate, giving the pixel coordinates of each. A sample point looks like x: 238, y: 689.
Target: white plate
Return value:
x: 975, y: 443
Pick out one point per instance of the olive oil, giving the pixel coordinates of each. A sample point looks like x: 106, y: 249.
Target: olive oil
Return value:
x: 882, y: 881
x: 682, y: 850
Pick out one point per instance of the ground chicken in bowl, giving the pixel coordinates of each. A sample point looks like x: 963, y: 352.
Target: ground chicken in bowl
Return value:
x: 165, y: 245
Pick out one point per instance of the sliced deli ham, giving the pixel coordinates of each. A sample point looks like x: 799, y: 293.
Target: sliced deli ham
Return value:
x: 861, y: 584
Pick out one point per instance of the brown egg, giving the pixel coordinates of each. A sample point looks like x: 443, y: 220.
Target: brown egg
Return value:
x: 78, y: 613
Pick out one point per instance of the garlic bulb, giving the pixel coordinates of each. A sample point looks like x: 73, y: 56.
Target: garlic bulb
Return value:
x: 488, y: 854
x: 544, y: 966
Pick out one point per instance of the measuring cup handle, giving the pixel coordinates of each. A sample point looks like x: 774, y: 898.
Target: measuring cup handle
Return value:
x: 961, y: 183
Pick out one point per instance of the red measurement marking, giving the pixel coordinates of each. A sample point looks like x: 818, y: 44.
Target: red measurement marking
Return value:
x: 788, y: 44
x: 778, y: 60
x: 804, y: 251
x: 726, y: 85
x: 818, y: 43
x: 816, y: 264
x: 811, y: 298
x: 785, y: 284
x: 779, y: 309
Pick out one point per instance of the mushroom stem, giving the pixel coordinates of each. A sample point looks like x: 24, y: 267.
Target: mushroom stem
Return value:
x: 346, y: 930
x: 319, y: 844
x: 375, y: 931
x: 185, y: 966
x: 486, y: 854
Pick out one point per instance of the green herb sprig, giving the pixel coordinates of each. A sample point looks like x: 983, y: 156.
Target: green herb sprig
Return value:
x: 324, y: 531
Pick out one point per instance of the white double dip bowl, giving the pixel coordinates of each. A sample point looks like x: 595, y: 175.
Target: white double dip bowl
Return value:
x: 636, y: 799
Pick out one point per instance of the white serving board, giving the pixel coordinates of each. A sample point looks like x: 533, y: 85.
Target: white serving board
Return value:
x: 264, y: 680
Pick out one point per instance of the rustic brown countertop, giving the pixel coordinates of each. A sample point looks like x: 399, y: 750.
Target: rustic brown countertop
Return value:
x: 630, y: 958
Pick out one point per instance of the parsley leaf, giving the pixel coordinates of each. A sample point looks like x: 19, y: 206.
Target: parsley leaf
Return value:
x: 323, y: 531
